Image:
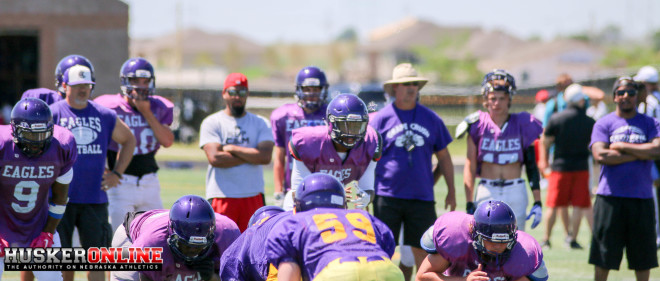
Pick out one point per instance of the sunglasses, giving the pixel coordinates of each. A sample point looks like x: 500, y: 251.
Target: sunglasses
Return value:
x: 410, y: 84
x: 621, y: 93
x: 234, y: 92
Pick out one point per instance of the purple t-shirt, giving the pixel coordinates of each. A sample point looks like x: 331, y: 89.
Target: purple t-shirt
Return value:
x: 399, y: 170
x: 25, y: 184
x: 146, y: 142
x: 504, y: 145
x: 92, y: 127
x: 286, y: 118
x: 314, y: 238
x: 451, y: 235
x: 313, y: 146
x: 246, y: 258
x: 47, y: 95
x: 631, y: 179
x: 150, y: 230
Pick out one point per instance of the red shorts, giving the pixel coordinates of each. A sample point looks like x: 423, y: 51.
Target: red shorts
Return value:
x: 238, y: 209
x: 568, y: 187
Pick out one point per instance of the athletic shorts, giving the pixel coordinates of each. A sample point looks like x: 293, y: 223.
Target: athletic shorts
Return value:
x: 623, y: 223
x: 416, y: 215
x: 91, y: 221
x: 240, y: 210
x: 566, y: 188
x: 363, y: 268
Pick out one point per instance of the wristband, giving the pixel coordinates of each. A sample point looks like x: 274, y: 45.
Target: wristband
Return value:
x: 118, y: 174
x: 56, y: 211
x: 538, y: 203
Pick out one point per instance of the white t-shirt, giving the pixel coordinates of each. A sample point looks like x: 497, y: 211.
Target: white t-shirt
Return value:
x: 240, y: 181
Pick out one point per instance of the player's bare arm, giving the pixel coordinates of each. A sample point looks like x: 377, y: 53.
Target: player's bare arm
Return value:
x: 261, y: 155
x: 606, y: 156
x: 544, y: 144
x: 288, y: 271
x: 123, y: 136
x: 162, y: 132
x: 278, y: 168
x: 643, y: 151
x: 60, y: 193
x: 446, y: 167
x: 219, y: 158
x: 432, y: 268
x: 470, y: 169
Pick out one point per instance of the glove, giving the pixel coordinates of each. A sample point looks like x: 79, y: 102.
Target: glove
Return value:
x: 536, y: 212
x: 470, y: 208
x: 3, y: 245
x: 44, y: 240
x: 361, y: 200
x: 279, y: 198
x: 205, y: 267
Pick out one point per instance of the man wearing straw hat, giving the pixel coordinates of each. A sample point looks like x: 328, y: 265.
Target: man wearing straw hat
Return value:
x: 405, y: 176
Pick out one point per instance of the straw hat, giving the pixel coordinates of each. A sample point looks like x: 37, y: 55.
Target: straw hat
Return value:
x: 403, y: 73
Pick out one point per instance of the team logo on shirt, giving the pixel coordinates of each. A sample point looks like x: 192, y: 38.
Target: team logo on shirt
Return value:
x: 629, y: 134
x: 86, y: 131
x: 239, y: 136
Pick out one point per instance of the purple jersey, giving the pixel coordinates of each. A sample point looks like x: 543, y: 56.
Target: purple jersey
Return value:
x: 451, y: 235
x: 286, y: 118
x: 92, y: 127
x: 504, y: 145
x: 399, y: 169
x: 47, y: 95
x: 146, y: 142
x: 313, y: 146
x: 25, y: 184
x: 630, y: 179
x: 150, y: 230
x: 246, y: 258
x: 314, y: 238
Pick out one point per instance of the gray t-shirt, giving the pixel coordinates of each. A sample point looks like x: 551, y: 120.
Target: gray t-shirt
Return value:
x: 240, y: 181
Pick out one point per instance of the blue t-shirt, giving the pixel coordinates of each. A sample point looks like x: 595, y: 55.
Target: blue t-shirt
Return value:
x: 630, y: 179
x: 92, y: 128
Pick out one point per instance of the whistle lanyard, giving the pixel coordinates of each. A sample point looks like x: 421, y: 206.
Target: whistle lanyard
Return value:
x: 408, y: 143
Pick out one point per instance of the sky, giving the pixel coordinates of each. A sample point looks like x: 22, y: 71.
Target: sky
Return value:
x: 321, y: 21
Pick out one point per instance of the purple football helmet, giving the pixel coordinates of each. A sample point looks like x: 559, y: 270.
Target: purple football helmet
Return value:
x: 191, y: 228
x: 319, y: 190
x: 263, y: 214
x: 494, y: 221
x: 32, y: 126
x: 311, y: 76
x: 498, y: 74
x: 347, y: 118
x: 137, y: 68
x: 67, y: 62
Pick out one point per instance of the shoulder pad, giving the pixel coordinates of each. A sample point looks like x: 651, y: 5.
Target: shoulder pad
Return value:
x: 427, y: 242
x: 464, y: 126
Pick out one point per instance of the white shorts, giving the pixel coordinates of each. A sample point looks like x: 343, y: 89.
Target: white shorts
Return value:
x: 133, y: 194
x: 120, y: 239
x: 41, y: 275
x: 513, y: 192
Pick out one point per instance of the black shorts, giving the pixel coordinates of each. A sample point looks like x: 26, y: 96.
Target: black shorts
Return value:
x: 623, y: 223
x: 416, y: 215
x: 92, y: 223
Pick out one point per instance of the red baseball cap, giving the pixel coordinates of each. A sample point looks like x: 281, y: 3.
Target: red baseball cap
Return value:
x: 235, y: 79
x: 542, y: 96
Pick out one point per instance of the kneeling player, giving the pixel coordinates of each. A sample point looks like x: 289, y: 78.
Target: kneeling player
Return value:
x: 487, y: 246
x: 192, y: 236
x: 324, y: 241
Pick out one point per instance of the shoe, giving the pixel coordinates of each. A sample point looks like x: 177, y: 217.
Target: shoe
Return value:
x: 545, y: 245
x: 574, y: 245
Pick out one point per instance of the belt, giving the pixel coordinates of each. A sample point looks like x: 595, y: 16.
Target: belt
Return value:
x: 501, y: 182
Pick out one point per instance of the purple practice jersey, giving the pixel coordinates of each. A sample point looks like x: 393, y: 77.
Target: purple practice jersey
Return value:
x: 246, y: 258
x: 452, y: 239
x: 630, y: 179
x: 25, y: 184
x: 408, y: 174
x: 504, y: 145
x: 314, y: 238
x: 286, y: 118
x: 92, y: 127
x: 146, y: 142
x: 47, y: 95
x: 150, y: 230
x: 314, y: 147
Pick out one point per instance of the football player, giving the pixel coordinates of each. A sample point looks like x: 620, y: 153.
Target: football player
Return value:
x: 347, y: 148
x: 486, y: 246
x: 50, y: 96
x: 149, y: 117
x: 246, y: 258
x: 36, y: 160
x: 192, y: 236
x: 309, y: 110
x: 324, y: 241
x: 498, y: 144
